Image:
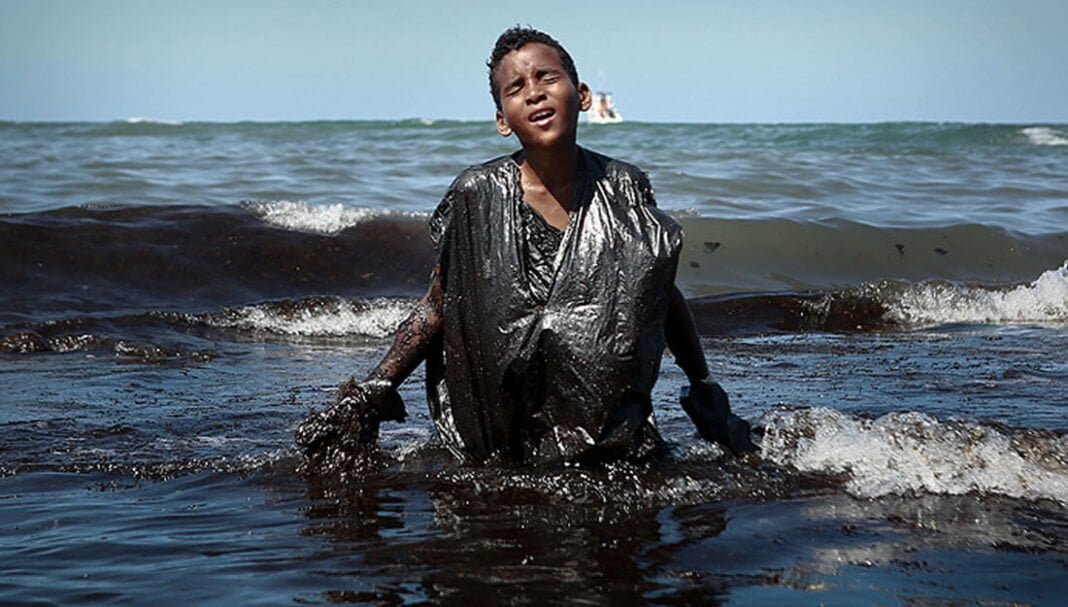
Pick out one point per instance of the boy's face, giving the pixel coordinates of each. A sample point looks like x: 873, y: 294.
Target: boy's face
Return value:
x: 539, y: 103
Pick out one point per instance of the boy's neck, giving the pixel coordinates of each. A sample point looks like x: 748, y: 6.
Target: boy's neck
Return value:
x: 552, y: 168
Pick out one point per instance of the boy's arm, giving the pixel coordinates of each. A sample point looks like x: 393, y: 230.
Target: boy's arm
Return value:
x: 344, y: 432
x: 704, y: 401
x: 680, y: 330
x: 413, y: 338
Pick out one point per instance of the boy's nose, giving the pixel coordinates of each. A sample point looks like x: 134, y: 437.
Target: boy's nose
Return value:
x: 535, y: 93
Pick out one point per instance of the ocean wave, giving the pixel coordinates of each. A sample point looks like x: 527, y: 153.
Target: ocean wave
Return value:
x: 1044, y: 135
x: 315, y: 317
x: 95, y: 339
x: 159, y: 336
x: 724, y: 256
x: 1045, y: 300
x: 168, y: 337
x: 315, y: 219
x: 198, y: 258
x: 886, y: 306
x: 143, y: 120
x: 747, y: 275
x: 416, y: 122
x: 910, y: 452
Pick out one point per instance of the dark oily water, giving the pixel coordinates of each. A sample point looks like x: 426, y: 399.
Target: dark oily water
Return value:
x: 886, y: 303
x: 127, y: 482
x: 270, y: 539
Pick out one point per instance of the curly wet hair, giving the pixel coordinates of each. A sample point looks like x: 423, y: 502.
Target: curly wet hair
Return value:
x: 515, y: 38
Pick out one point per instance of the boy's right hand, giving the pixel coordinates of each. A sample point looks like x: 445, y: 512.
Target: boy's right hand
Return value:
x: 333, y: 438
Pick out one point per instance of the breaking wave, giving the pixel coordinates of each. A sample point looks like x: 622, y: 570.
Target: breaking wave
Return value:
x: 904, y: 453
x: 1042, y: 301
x: 163, y: 336
x: 886, y: 306
x: 144, y: 120
x: 315, y: 317
x: 1044, y: 135
x: 315, y: 219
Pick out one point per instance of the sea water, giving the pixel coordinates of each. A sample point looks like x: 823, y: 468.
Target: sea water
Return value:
x: 887, y: 303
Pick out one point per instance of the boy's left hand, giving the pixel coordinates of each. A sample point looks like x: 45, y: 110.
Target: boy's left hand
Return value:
x: 709, y: 408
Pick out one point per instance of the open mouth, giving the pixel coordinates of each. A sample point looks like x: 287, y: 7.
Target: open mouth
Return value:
x: 542, y: 115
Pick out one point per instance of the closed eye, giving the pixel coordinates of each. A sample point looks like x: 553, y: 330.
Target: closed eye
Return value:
x: 513, y: 87
x: 549, y: 76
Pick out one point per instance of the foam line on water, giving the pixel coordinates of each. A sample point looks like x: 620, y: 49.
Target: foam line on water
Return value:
x: 1043, y: 300
x: 903, y: 453
x: 146, y: 120
x: 299, y: 216
x: 318, y: 317
x: 1044, y: 135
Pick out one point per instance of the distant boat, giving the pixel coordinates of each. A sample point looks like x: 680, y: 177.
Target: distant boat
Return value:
x: 603, y: 110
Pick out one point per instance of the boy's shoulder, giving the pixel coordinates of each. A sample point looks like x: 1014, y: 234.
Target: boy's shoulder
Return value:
x: 478, y: 175
x: 612, y: 168
x: 622, y: 176
x: 599, y: 166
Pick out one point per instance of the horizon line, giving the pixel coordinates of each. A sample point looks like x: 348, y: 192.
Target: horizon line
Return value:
x: 135, y: 120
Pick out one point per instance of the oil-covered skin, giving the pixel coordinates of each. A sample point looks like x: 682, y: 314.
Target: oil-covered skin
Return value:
x: 709, y: 408
x: 344, y: 435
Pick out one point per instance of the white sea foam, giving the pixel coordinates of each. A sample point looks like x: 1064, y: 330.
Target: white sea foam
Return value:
x: 1044, y: 300
x: 901, y: 453
x: 303, y: 217
x: 1044, y: 135
x: 333, y: 317
x: 316, y: 219
x: 141, y: 120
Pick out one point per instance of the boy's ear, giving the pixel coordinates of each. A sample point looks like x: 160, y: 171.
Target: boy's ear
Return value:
x: 585, y: 96
x: 502, y: 125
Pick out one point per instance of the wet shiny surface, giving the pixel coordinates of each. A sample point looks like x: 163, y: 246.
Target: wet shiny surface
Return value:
x: 886, y: 302
x: 123, y: 481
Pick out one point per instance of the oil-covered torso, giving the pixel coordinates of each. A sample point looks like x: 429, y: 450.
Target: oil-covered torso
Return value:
x: 555, y: 361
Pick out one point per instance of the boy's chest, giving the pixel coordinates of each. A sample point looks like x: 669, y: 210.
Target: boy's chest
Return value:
x: 552, y: 208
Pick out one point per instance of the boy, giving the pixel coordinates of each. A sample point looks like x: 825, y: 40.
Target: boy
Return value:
x: 550, y: 304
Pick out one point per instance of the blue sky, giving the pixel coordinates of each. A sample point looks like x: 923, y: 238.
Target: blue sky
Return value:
x: 668, y: 61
